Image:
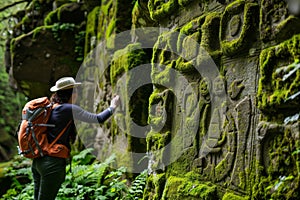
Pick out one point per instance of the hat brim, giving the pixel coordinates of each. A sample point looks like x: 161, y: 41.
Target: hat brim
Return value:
x: 54, y: 88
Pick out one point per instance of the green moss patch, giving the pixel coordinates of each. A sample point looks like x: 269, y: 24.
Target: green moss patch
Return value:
x: 126, y: 59
x: 279, y: 77
x: 91, y: 30
x: 237, y: 25
x: 160, y: 9
x: 232, y: 196
x: 183, y: 188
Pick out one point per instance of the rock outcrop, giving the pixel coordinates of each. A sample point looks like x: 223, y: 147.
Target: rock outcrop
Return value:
x: 210, y: 89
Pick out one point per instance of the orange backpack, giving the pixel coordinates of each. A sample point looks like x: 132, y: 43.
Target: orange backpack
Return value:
x: 32, y: 134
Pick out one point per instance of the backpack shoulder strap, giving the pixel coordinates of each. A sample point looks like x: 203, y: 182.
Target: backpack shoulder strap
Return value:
x: 60, y: 134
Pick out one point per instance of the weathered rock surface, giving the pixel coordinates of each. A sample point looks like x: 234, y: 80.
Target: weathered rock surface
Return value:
x: 210, y: 97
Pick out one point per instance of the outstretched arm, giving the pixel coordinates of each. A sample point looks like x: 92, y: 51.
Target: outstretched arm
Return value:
x: 101, y: 117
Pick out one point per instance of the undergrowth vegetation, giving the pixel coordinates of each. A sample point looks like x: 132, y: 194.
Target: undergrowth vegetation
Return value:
x: 86, y: 179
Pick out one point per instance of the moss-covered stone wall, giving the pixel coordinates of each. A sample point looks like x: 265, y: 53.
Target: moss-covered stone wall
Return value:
x: 210, y: 96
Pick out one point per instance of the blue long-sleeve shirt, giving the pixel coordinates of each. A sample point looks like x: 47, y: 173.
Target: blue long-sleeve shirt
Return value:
x: 62, y: 114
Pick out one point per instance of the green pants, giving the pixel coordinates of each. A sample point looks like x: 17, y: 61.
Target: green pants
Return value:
x: 48, y: 175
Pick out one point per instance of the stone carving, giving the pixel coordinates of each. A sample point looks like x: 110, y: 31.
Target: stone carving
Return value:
x: 276, y: 23
x: 188, y: 44
x: 215, y: 136
x: 158, y: 110
x: 237, y: 25
x: 190, y: 115
x: 274, y: 144
x: 277, y: 155
x: 210, y: 40
x: 224, y: 142
x: 243, y: 123
x: 182, y: 125
x: 217, y: 143
x: 159, y: 136
x: 159, y: 9
x: 279, y: 83
x: 236, y: 89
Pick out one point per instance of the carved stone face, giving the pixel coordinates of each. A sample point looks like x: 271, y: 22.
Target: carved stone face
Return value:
x: 218, y: 86
x: 294, y: 7
x: 204, y: 87
x: 235, y: 25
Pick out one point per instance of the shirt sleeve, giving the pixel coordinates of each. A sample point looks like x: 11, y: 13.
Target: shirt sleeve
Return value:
x: 85, y: 116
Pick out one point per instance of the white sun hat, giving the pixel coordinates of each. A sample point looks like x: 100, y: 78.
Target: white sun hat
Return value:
x: 64, y: 83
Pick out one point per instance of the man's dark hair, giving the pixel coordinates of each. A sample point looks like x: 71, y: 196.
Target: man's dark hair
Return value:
x: 62, y: 96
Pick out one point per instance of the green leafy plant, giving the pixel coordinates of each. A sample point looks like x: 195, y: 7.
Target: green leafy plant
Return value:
x: 136, y: 190
x: 79, y: 45
x: 57, y: 28
x: 296, y: 152
x: 89, y: 179
x: 21, y: 184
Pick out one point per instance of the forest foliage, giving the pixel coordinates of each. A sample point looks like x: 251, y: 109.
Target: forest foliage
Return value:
x: 11, y: 101
x: 88, y: 179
